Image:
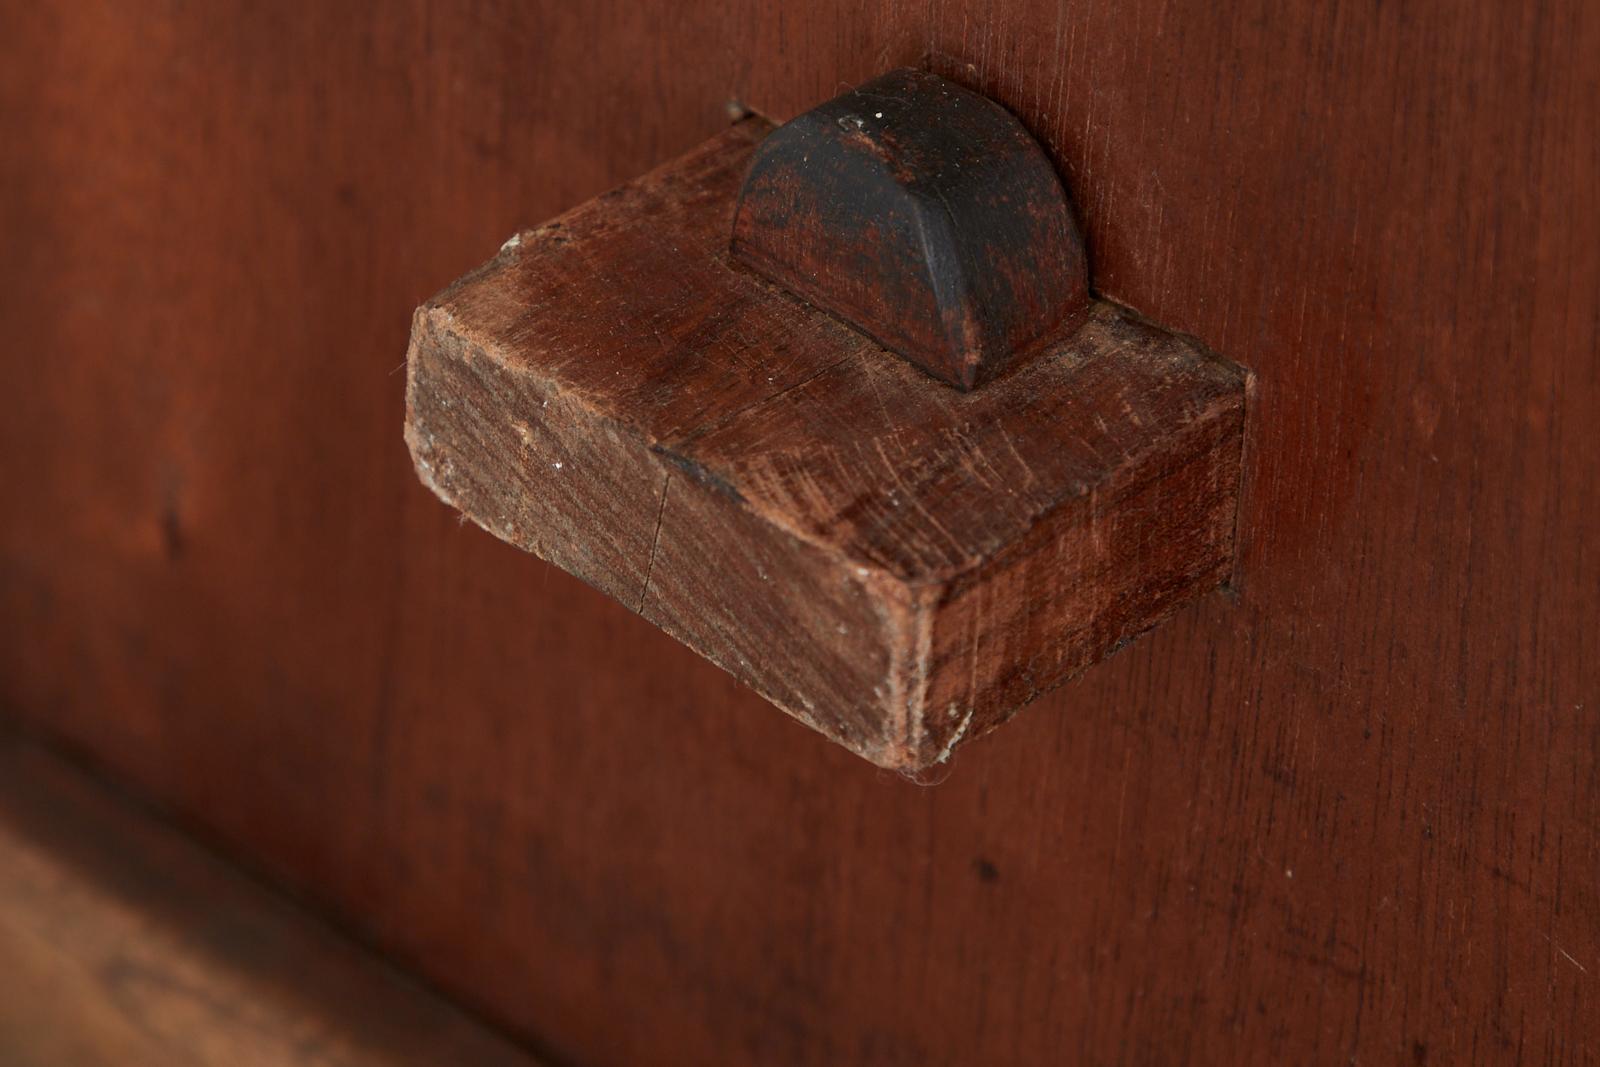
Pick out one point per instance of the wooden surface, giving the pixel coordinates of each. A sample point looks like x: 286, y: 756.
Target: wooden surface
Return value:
x: 122, y: 944
x: 1351, y: 814
x: 893, y: 562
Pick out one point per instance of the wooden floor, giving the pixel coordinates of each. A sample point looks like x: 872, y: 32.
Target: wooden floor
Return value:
x: 123, y: 943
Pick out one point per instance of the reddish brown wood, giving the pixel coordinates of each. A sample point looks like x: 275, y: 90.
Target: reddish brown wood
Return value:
x: 922, y: 214
x: 1349, y: 815
x: 893, y: 563
x: 124, y: 945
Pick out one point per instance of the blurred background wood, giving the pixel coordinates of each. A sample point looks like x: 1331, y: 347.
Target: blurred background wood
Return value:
x: 124, y: 945
x: 1351, y: 813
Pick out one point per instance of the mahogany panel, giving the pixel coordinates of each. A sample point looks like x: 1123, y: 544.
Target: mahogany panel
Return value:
x: 1348, y: 811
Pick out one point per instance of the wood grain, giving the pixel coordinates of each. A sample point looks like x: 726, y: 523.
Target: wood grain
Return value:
x: 894, y: 563
x: 122, y: 944
x: 1352, y: 815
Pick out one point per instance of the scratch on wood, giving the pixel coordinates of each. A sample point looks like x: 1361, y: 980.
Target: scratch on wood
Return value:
x: 655, y: 543
x: 955, y: 737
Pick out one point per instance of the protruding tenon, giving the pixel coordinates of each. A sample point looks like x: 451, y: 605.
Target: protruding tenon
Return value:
x: 923, y: 214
